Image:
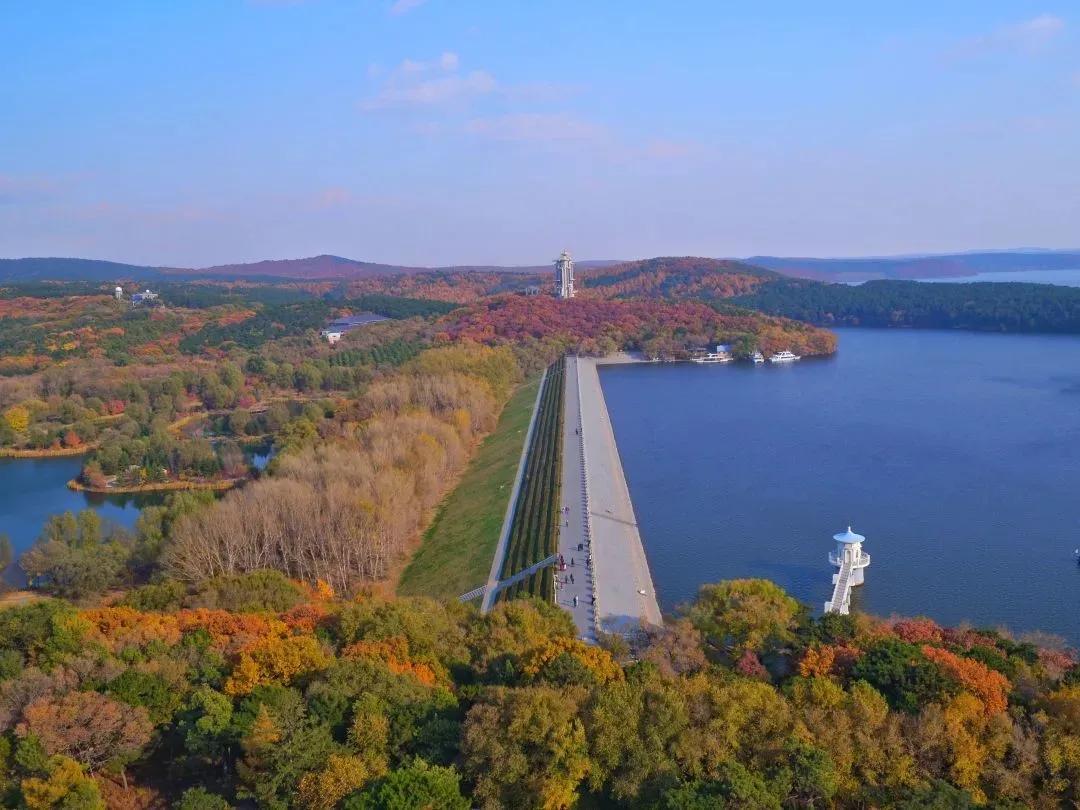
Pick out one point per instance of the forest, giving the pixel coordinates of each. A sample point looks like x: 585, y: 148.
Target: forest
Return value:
x: 984, y: 306
x: 245, y: 649
x: 659, y: 328
x: 255, y: 690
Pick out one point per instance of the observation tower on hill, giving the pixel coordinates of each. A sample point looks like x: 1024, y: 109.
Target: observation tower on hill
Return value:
x: 564, y: 276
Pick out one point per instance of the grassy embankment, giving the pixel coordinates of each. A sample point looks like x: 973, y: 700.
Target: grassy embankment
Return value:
x: 534, y: 533
x: 455, y: 555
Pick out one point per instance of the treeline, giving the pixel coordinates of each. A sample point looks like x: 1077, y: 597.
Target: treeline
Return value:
x: 667, y: 329
x: 988, y: 307
x: 674, y: 277
x: 534, y: 531
x: 345, y: 500
x: 269, y: 323
x: 397, y: 306
x: 252, y: 690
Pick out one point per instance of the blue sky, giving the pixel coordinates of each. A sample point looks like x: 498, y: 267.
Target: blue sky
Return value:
x: 459, y: 131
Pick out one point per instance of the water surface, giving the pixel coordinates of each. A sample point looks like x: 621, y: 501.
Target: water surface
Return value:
x: 1063, y: 278
x: 31, y: 489
x: 957, y: 454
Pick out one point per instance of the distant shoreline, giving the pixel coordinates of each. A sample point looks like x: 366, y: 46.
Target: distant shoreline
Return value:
x: 47, y: 452
x: 165, y: 486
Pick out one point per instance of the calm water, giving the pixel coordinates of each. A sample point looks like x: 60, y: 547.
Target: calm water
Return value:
x: 1064, y: 278
x: 33, y: 489
x: 956, y: 454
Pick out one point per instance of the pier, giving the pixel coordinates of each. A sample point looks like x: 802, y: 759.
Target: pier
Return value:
x: 612, y: 583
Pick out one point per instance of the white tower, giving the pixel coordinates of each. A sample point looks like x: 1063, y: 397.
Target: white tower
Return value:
x: 564, y: 276
x: 119, y: 293
x: 852, y: 562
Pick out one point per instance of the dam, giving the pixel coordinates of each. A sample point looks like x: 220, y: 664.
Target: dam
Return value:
x: 606, y: 584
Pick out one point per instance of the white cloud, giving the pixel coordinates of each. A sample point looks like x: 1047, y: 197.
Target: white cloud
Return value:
x: 549, y: 127
x: 1028, y: 37
x: 405, y: 6
x: 332, y: 197
x: 424, y: 84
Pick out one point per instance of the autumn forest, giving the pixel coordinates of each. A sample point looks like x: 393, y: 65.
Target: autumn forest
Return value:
x: 242, y: 645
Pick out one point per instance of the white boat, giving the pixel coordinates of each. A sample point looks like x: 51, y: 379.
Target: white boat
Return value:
x: 757, y: 357
x: 721, y: 355
x: 712, y: 357
x: 784, y: 357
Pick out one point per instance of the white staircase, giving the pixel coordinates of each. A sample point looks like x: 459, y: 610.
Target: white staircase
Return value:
x: 841, y: 595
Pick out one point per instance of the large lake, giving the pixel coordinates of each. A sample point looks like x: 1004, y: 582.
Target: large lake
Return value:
x: 957, y: 455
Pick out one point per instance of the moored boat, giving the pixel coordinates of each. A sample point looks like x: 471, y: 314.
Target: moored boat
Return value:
x: 757, y: 357
x: 784, y: 357
x: 721, y: 355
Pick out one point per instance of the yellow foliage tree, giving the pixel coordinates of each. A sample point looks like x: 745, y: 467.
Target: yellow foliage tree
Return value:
x: 369, y: 734
x: 597, y: 661
x: 66, y: 785
x: 275, y: 659
x: 322, y: 790
x: 1061, y: 749
x: 17, y: 418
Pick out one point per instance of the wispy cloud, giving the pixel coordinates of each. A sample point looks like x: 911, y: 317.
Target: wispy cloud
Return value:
x: 405, y: 6
x: 16, y: 190
x: 537, y: 127
x: 423, y: 84
x: 1030, y: 36
x: 332, y: 197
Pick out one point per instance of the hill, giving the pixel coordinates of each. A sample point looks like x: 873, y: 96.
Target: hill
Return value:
x: 337, y: 267
x: 615, y: 276
x: 915, y: 267
x: 986, y: 306
x: 674, y: 277
x: 63, y: 269
x: 323, y: 266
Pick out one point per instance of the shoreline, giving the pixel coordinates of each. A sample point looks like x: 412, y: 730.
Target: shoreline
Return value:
x: 601, y: 510
x: 63, y: 452
x: 164, y: 486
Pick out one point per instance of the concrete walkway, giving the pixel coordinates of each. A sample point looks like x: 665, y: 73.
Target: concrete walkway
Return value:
x: 574, y: 531
x: 600, y: 518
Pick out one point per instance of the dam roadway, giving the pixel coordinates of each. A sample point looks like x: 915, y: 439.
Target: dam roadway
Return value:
x: 599, y: 517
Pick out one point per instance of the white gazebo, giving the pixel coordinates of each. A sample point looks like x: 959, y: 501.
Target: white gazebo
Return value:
x: 852, y: 563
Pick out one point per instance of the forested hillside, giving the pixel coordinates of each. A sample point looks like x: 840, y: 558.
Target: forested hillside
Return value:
x: 674, y: 277
x: 993, y: 307
x: 659, y: 328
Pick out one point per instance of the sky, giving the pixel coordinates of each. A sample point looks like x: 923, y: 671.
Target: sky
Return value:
x: 437, y: 132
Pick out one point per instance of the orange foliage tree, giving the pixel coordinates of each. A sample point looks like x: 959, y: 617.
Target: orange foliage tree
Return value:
x: 275, y: 659
x: 394, y: 652
x: 990, y: 686
x: 596, y: 661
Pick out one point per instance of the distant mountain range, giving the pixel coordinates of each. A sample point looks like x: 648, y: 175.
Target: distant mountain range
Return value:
x: 339, y: 268
x: 314, y: 267
x: 915, y: 267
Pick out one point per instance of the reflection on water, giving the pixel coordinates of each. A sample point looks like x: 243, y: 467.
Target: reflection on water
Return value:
x: 33, y: 489
x: 954, y: 453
